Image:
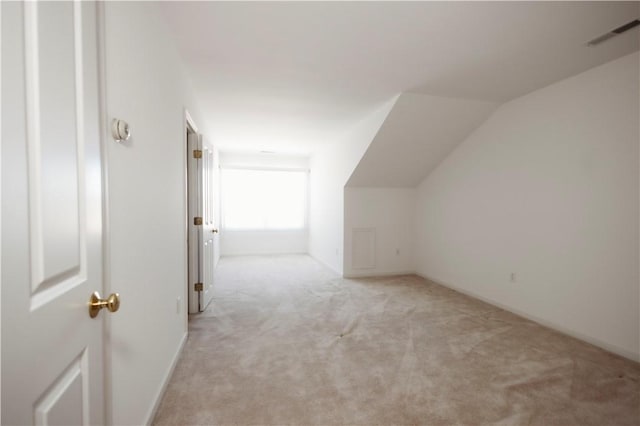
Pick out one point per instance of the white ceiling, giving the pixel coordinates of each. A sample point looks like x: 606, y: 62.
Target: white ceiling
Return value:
x: 288, y: 76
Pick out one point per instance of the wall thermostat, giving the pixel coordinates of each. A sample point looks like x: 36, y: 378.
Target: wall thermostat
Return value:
x: 120, y: 130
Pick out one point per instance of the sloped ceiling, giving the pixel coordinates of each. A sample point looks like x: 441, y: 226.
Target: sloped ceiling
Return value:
x: 419, y: 132
x: 293, y: 76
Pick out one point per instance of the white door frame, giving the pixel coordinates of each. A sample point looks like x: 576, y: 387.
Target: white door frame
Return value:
x: 189, y: 126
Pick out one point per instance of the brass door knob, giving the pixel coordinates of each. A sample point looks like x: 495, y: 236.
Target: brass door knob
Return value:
x: 112, y: 303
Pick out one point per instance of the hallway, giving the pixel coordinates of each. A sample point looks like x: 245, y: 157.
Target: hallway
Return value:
x: 286, y: 341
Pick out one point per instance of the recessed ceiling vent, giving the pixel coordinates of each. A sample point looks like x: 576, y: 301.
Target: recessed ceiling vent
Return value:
x: 624, y: 28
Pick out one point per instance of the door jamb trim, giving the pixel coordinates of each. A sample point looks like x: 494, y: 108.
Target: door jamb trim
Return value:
x: 189, y: 125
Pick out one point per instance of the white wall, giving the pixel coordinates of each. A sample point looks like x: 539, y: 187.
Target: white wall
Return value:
x: 547, y: 189
x: 146, y: 86
x: 331, y: 167
x: 390, y: 214
x: 235, y: 242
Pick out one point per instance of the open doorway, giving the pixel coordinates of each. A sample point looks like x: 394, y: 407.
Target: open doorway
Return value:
x: 202, y: 231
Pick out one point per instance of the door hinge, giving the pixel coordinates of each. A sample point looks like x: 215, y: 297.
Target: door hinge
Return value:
x: 197, y: 221
x: 198, y: 287
x: 197, y: 153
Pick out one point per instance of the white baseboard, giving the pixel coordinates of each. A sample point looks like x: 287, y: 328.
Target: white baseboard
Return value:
x: 262, y: 253
x: 165, y: 381
x: 373, y: 273
x: 323, y: 263
x: 549, y: 324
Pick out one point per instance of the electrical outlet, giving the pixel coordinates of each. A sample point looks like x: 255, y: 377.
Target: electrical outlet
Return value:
x: 513, y: 277
x: 178, y: 305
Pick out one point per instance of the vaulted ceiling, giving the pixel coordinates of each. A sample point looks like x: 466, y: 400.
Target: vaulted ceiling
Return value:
x: 417, y: 134
x: 290, y: 76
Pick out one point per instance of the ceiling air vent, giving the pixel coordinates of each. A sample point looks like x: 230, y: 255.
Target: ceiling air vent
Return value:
x: 613, y: 33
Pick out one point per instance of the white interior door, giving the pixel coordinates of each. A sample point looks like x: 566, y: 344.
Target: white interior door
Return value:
x: 209, y: 230
x: 52, y: 351
x: 202, y: 231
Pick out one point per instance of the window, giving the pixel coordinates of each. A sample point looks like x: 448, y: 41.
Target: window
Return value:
x: 263, y: 199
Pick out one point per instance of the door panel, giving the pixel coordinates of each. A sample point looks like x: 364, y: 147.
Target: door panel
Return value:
x: 52, y: 363
x: 52, y: 110
x: 54, y: 117
x: 58, y: 405
x: 209, y: 231
x: 201, y: 237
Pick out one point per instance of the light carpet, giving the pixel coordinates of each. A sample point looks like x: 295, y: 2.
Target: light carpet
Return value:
x: 286, y: 341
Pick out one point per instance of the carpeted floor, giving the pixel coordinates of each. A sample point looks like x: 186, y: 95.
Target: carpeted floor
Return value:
x: 287, y: 342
